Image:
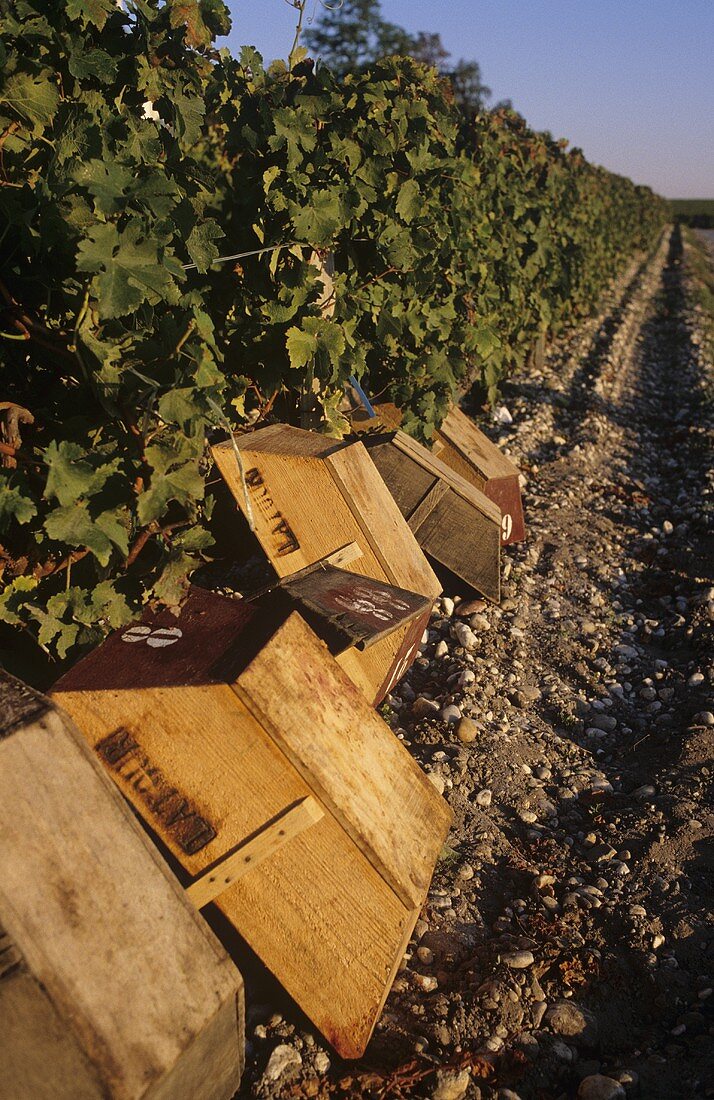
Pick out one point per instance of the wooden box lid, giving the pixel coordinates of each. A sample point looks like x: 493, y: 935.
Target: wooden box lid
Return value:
x: 346, y: 609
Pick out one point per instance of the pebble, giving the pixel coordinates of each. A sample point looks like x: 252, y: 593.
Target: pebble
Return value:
x: 427, y: 983
x: 704, y: 718
x: 437, y: 781
x: 604, y: 722
x: 573, y: 1022
x: 471, y: 607
x: 518, y: 960
x: 483, y: 798
x: 479, y: 624
x: 283, y: 1059
x: 467, y: 730
x: 598, y: 1087
x: 322, y: 1062
x: 451, y: 713
x: 465, y: 636
x: 424, y: 708
x: 600, y: 853
x: 451, y: 1084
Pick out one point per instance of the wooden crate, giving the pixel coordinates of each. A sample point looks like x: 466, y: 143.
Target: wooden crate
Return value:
x: 223, y: 729
x: 111, y: 984
x: 310, y: 496
x: 461, y: 446
x: 372, y: 629
x: 453, y: 521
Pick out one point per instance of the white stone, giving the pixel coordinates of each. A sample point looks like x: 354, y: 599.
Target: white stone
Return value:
x: 282, y: 1059
x: 451, y: 1084
x: 322, y: 1062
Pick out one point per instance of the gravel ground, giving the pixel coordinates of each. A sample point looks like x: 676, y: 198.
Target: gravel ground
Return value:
x: 567, y: 946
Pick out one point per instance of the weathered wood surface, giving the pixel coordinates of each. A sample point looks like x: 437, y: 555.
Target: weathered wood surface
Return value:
x: 266, y: 842
x: 310, y: 495
x: 452, y: 520
x: 464, y: 448
x: 208, y: 763
x: 111, y: 985
x: 372, y: 629
x: 472, y: 454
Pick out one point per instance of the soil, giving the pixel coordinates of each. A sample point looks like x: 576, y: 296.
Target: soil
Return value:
x: 567, y: 945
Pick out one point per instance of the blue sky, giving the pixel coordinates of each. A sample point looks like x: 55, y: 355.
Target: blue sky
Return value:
x: 629, y: 81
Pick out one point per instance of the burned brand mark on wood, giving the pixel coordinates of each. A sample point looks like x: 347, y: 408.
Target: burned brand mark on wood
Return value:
x: 279, y: 526
x: 129, y: 762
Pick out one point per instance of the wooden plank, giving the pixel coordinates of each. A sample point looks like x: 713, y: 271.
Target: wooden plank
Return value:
x: 427, y: 505
x: 266, y: 842
x: 208, y: 764
x: 310, y: 496
x: 480, y: 452
x: 116, y: 987
x: 368, y: 781
x: 466, y: 543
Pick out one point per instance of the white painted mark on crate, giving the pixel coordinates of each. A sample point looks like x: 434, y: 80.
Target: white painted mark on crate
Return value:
x: 157, y: 639
x: 506, y: 526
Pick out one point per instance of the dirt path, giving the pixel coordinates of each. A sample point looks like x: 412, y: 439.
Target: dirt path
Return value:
x: 569, y: 936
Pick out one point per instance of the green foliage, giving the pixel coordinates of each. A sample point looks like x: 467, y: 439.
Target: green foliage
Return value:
x: 695, y: 212
x: 352, y: 36
x: 100, y: 208
x: 455, y: 244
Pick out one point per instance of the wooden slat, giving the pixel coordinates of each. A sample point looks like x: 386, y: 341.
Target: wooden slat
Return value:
x: 121, y: 985
x: 427, y: 505
x: 252, y: 852
x: 439, y: 469
x: 461, y: 433
x: 466, y: 542
x: 368, y: 781
x: 374, y: 509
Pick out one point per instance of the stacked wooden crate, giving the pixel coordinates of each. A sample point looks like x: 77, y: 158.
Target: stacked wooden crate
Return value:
x: 243, y: 735
x: 223, y: 723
